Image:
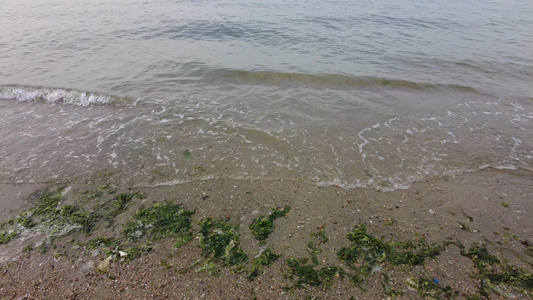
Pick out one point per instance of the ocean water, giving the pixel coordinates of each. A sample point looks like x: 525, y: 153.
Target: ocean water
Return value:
x: 351, y: 93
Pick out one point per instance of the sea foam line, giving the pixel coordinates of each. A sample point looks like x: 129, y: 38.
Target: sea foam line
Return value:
x: 53, y: 95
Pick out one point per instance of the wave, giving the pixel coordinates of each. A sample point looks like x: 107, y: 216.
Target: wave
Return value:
x: 55, y: 95
x: 333, y: 80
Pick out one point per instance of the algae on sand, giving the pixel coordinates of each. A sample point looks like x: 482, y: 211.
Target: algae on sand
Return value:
x: 263, y: 226
x: 219, y: 241
x: 491, y: 271
x: 306, y: 274
x: 264, y: 258
x: 161, y: 220
x: 118, y: 203
x: 47, y: 216
x: 368, y: 252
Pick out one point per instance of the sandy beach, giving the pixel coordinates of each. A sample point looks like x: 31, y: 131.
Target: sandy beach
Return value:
x: 489, y: 210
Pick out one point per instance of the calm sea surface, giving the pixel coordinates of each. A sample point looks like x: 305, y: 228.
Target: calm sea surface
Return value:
x: 354, y: 93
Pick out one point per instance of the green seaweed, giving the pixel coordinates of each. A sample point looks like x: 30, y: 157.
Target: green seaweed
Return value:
x: 389, y: 222
x: 307, y: 275
x: 529, y: 250
x: 161, y: 220
x: 46, y: 204
x: 464, y: 227
x: 219, y: 241
x: 211, y: 267
x: 514, y: 276
x: 137, y: 251
x: 413, y: 259
x: 183, y: 239
x: 85, y: 221
x: 51, y: 219
x: 263, y: 258
x: 430, y: 289
x: 405, y: 245
x: 471, y: 219
x: 27, y: 249
x: 370, y: 249
x: 119, y: 202
x: 480, y: 256
x: 367, y: 252
x: 101, y: 241
x: 6, y: 237
x: 313, y: 251
x: 134, y: 230
x: 490, y: 272
x: 90, y: 194
x: 43, y: 248
x: 263, y: 226
x: 25, y: 220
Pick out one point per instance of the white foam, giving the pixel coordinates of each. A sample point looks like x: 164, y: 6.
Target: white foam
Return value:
x: 51, y: 95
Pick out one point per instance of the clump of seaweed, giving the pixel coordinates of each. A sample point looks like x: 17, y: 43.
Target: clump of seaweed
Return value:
x: 264, y: 258
x: 481, y: 257
x: 308, y: 274
x: 43, y: 248
x: 86, y: 222
x: 118, y: 203
x: 48, y: 216
x: 313, y: 250
x: 389, y: 222
x: 46, y: 204
x: 27, y: 249
x: 209, y: 266
x: 24, y: 220
x: 263, y: 226
x: 134, y: 230
x: 367, y: 252
x: 219, y: 242
x: 138, y: 251
x: 365, y: 248
x: 101, y: 241
x: 490, y: 272
x: 161, y: 220
x: 92, y: 194
x: 7, y: 236
x: 183, y: 239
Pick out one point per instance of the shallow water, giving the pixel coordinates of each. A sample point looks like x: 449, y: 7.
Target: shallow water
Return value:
x: 364, y: 93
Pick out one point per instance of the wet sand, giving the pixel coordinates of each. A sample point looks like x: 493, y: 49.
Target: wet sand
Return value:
x: 489, y: 208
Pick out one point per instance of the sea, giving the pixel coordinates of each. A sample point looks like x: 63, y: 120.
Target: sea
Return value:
x: 354, y: 93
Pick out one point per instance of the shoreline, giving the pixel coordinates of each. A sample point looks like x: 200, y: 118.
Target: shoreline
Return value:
x: 489, y: 209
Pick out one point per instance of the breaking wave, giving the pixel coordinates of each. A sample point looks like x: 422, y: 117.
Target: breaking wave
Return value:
x: 56, y: 95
